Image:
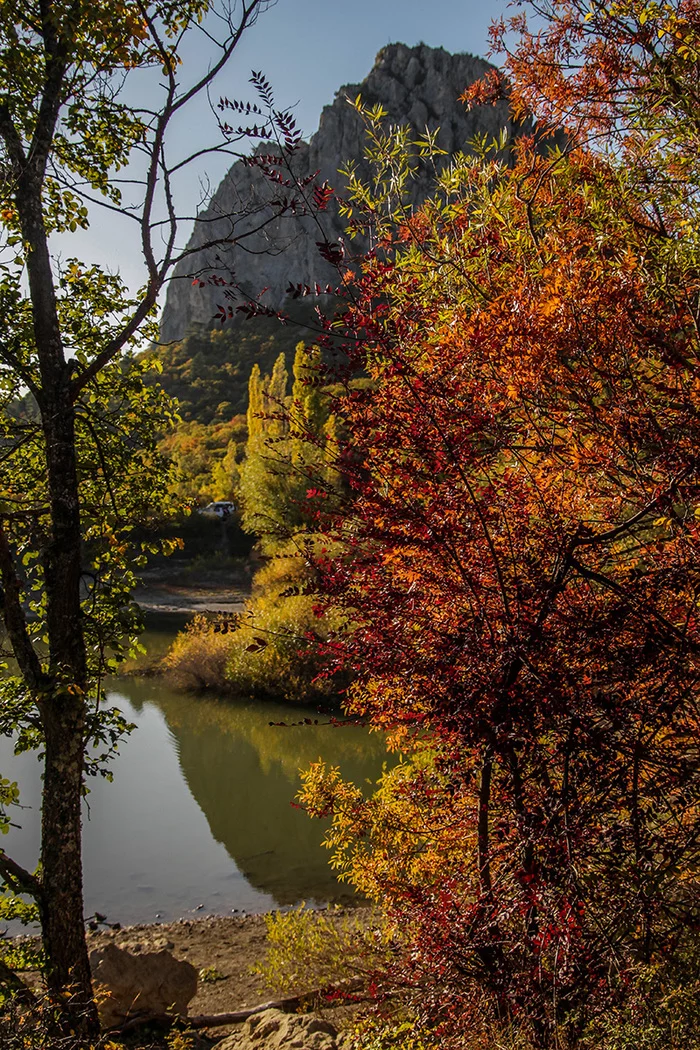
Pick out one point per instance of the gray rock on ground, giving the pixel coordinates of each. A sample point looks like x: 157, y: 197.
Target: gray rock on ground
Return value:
x: 149, y: 984
x: 276, y: 1030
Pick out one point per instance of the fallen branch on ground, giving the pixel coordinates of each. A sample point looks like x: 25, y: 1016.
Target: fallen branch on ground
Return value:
x: 292, y: 1002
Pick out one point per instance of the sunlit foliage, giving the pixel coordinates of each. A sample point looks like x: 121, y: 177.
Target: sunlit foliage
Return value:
x: 520, y: 563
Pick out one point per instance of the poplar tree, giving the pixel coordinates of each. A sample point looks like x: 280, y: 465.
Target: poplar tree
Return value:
x: 275, y: 392
x: 263, y: 471
x: 331, y: 453
x: 254, y: 414
x: 307, y: 412
x: 292, y: 447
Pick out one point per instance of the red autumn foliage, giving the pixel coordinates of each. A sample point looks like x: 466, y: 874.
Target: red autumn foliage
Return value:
x: 521, y: 563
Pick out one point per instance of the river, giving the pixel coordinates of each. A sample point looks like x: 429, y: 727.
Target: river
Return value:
x: 199, y: 818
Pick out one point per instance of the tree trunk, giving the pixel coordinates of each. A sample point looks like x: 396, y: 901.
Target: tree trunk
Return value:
x: 62, y: 708
x: 63, y: 930
x: 63, y: 719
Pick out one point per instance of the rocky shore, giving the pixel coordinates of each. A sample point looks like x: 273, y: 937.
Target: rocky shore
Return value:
x: 225, y: 947
x: 171, y: 591
x: 222, y: 953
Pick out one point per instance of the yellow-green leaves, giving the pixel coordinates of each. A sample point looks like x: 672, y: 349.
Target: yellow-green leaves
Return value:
x: 9, y: 796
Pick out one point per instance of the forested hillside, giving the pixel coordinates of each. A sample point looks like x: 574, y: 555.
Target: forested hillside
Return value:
x: 206, y: 364
x: 208, y: 370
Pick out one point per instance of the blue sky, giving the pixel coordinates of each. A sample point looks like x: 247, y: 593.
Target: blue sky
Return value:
x: 307, y: 49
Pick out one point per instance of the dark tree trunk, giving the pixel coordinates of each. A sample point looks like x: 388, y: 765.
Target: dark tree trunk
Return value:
x: 62, y: 708
x: 63, y: 931
x: 63, y: 717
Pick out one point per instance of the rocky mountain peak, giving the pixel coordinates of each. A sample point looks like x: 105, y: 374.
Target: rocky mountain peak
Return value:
x: 418, y: 86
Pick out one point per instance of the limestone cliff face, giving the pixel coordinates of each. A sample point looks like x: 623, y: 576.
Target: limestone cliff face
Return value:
x: 417, y: 86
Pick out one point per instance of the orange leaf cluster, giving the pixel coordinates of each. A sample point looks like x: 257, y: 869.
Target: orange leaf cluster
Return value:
x: 522, y: 569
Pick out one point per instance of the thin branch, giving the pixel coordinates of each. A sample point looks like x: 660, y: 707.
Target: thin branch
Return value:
x: 21, y: 991
x: 248, y: 17
x: 14, y: 618
x: 202, y: 152
x: 11, y: 359
x: 18, y: 879
x: 483, y: 821
x: 628, y: 525
x: 157, y: 271
x: 646, y: 610
x: 12, y: 140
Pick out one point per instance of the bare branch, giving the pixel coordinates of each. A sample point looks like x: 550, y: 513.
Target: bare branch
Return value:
x: 14, y: 618
x: 160, y: 174
x: 14, y: 982
x: 291, y: 1002
x: 248, y: 17
x: 18, y: 878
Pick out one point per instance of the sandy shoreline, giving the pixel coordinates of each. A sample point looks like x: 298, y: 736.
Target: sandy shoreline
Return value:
x: 228, y: 946
x: 231, y: 945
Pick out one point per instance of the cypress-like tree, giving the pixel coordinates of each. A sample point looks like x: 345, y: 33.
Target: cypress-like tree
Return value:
x: 275, y: 402
x: 307, y: 412
x: 255, y: 405
x: 292, y: 446
x: 331, y: 453
x: 264, y: 473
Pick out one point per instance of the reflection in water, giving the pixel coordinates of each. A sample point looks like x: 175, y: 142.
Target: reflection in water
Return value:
x: 200, y: 814
x: 244, y: 774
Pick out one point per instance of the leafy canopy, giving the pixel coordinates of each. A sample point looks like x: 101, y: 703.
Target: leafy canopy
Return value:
x: 520, y: 563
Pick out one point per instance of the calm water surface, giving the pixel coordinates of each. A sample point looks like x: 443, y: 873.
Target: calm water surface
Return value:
x: 199, y: 818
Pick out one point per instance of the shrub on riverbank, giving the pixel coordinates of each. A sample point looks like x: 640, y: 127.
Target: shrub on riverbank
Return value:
x: 197, y: 658
x: 309, y: 949
x: 270, y: 650
x: 276, y: 646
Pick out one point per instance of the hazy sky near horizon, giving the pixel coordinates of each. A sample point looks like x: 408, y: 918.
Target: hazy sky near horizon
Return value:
x: 307, y: 49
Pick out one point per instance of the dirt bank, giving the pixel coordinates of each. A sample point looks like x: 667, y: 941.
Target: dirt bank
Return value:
x: 231, y: 945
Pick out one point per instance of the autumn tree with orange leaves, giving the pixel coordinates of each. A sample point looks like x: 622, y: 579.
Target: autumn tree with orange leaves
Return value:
x: 521, y: 561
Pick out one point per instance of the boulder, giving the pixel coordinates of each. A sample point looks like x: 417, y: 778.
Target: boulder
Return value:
x: 276, y: 1030
x: 149, y: 984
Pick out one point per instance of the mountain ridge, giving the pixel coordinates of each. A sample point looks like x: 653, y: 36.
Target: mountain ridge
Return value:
x: 418, y: 86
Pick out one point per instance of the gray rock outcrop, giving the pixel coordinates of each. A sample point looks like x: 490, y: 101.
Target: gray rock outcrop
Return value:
x: 275, y: 1030
x: 149, y: 984
x: 417, y: 86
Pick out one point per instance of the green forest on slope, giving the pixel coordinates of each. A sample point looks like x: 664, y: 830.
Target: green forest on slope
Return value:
x: 208, y: 370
